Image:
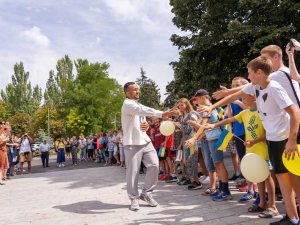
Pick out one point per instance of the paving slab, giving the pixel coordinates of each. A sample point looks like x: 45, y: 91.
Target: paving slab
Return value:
x: 90, y: 194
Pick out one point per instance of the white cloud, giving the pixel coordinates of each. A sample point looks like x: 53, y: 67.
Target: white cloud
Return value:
x: 27, y: 18
x: 34, y: 35
x: 28, y: 8
x: 37, y: 10
x: 95, y: 10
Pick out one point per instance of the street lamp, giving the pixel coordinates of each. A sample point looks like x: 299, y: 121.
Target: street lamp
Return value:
x: 116, y: 120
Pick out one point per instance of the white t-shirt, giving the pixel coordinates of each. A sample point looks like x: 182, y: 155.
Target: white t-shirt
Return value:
x: 271, y: 103
x: 25, y: 146
x: 281, y: 78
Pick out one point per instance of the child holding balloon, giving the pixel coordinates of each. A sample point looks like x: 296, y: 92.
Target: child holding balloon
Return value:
x: 280, y: 118
x: 255, y: 143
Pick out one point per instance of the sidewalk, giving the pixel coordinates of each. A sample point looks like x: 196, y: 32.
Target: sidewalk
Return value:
x: 91, y: 195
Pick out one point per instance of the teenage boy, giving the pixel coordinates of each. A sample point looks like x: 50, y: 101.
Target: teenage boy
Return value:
x: 255, y: 143
x: 280, y: 118
x: 213, y: 158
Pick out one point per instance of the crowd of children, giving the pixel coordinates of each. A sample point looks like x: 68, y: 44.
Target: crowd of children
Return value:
x: 264, y: 118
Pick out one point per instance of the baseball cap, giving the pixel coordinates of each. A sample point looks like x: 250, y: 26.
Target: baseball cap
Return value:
x: 200, y: 92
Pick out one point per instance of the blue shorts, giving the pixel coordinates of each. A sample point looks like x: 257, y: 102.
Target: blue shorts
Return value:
x: 110, y: 154
x: 211, y: 155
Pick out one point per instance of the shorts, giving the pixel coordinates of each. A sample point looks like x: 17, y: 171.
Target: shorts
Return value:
x: 269, y: 164
x: 68, y: 149
x: 110, y: 154
x: 231, y: 147
x: 211, y: 155
x: 170, y: 154
x: 160, y: 158
x: 116, y: 151
x: 90, y: 153
x: 240, y: 147
x: 276, y: 149
x: 28, y: 157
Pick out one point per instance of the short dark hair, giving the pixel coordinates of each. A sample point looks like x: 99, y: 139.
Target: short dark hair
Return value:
x: 126, y: 86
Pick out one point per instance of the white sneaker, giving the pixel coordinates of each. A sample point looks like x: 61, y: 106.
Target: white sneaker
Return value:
x: 59, y: 165
x: 96, y: 161
x: 135, y: 204
x: 206, y: 181
x: 63, y: 165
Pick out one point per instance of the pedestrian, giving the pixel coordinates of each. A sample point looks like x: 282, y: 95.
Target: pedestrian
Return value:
x: 90, y: 144
x: 4, y: 164
x: 25, y: 151
x: 74, y: 149
x: 121, y: 147
x: 82, y: 147
x: 44, y: 150
x: 68, y: 149
x: 138, y: 146
x: 60, y: 148
x: 110, y: 146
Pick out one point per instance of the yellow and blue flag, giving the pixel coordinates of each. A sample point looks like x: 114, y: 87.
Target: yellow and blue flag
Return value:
x: 190, y: 151
x: 220, y: 111
x: 226, y: 127
x: 223, y: 140
x: 161, y: 152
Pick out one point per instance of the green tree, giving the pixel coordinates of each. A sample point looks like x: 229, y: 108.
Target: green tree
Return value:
x: 149, y: 91
x: 4, y: 113
x: 223, y: 36
x: 19, y: 96
x: 52, y: 91
x: 22, y: 122
x: 94, y: 100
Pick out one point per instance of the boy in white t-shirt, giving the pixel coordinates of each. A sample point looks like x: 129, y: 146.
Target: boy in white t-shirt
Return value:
x: 280, y: 118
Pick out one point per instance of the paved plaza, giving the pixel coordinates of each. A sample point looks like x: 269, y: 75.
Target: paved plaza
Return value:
x: 91, y: 194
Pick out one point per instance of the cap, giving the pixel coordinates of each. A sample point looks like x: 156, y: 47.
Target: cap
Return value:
x: 193, y: 99
x: 201, y: 92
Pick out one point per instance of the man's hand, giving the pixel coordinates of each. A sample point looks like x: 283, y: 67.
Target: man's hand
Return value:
x: 209, y: 126
x: 220, y: 94
x: 289, y: 52
x: 296, y: 44
x: 144, y: 126
x: 189, y: 143
x: 203, y: 109
x: 248, y: 144
x: 290, y: 149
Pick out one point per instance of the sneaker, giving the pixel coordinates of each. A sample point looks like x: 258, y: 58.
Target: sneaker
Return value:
x: 242, y: 189
x: 206, y: 181
x: 185, y: 182
x: 285, y: 221
x: 216, y: 193
x: 172, y: 179
x: 106, y: 164
x: 243, y: 184
x: 48, y: 166
x: 134, y: 204
x: 118, y: 163
x: 149, y: 199
x: 200, y: 174
x: 246, y: 197
x: 96, y: 160
x: 59, y: 165
x: 195, y: 186
x: 222, y: 197
x: 63, y: 165
x: 234, y: 177
x: 166, y: 177
x: 182, y: 179
x: 257, y: 201
x: 160, y: 173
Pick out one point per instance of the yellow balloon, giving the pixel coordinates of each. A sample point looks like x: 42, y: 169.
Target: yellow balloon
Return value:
x: 167, y: 128
x: 254, y: 168
x: 292, y: 165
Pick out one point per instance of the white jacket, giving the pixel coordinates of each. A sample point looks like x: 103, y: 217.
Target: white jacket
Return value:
x: 132, y: 115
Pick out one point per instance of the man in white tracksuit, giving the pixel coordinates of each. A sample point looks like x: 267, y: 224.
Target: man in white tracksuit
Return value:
x: 138, y: 146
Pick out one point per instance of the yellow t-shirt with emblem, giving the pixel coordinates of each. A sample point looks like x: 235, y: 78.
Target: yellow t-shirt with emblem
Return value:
x: 59, y: 144
x: 253, y: 130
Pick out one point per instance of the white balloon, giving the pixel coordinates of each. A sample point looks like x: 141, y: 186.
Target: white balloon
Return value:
x: 167, y: 128
x: 254, y: 168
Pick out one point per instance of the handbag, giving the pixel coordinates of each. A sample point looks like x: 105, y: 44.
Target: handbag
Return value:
x: 179, y: 156
x: 294, y: 91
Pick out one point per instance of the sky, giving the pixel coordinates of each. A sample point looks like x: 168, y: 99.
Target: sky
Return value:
x: 127, y: 34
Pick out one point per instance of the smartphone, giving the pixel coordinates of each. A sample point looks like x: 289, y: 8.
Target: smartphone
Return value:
x: 152, y: 126
x: 291, y: 45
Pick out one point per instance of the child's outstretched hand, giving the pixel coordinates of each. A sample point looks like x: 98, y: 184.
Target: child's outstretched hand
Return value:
x: 248, y: 144
x: 209, y: 126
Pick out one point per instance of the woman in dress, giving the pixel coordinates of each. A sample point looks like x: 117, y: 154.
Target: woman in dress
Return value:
x: 74, y: 149
x: 190, y: 162
x: 4, y: 164
x: 60, y: 148
x: 68, y: 149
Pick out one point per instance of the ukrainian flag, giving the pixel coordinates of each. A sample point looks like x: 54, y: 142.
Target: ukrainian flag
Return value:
x: 161, y: 152
x: 190, y: 151
x: 220, y: 111
x: 226, y: 127
x: 223, y: 140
